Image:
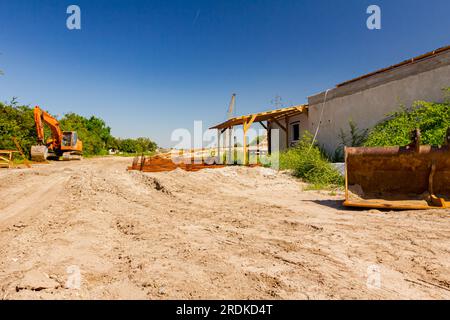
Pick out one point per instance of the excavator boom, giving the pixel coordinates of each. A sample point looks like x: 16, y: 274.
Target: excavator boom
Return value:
x: 41, y: 117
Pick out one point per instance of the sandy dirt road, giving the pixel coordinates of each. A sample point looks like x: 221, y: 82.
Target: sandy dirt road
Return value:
x: 232, y: 233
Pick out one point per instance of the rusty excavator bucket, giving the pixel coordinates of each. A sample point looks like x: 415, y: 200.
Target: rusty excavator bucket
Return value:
x: 412, y: 177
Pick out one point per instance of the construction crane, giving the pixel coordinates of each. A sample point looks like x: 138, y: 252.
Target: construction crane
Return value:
x: 63, y: 144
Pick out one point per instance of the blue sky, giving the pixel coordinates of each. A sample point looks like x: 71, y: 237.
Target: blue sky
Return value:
x: 148, y: 67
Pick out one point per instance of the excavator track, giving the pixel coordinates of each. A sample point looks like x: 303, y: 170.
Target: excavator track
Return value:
x: 68, y: 156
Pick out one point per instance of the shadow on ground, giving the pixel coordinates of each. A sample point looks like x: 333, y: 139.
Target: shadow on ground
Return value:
x: 338, y: 204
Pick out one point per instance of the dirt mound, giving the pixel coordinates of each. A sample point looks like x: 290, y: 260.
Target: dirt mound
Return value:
x: 149, y: 181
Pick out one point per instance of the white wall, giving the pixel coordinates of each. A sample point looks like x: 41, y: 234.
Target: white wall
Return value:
x: 367, y: 101
x: 368, y: 107
x: 304, y: 125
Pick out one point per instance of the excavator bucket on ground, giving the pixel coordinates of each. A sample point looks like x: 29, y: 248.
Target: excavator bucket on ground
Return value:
x: 412, y: 177
x: 39, y: 153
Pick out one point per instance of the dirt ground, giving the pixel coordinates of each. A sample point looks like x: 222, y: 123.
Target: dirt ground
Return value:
x: 230, y: 233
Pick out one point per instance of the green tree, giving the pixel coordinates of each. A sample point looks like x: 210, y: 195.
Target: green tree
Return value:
x: 17, y: 121
x: 93, y: 132
x: 129, y: 146
x: 113, y: 143
x: 145, y: 145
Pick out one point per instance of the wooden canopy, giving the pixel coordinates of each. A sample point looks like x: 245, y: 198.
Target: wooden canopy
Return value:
x: 262, y: 116
x: 248, y: 120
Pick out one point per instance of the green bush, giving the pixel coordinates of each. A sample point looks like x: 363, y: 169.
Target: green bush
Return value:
x: 92, y: 131
x: 309, y: 164
x: 17, y: 121
x: 431, y: 118
x: 139, y: 145
x: 354, y: 138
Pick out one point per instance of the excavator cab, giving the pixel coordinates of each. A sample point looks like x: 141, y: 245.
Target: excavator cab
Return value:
x: 71, y: 146
x: 69, y: 139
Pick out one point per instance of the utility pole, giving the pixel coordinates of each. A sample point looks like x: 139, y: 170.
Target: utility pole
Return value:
x: 231, y: 110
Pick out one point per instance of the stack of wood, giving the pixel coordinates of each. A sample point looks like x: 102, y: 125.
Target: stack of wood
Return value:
x: 6, y: 158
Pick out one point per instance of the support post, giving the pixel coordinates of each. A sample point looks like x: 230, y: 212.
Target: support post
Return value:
x: 219, y: 161
x: 257, y: 149
x: 287, y: 132
x: 230, y: 143
x: 224, y: 146
x: 247, y: 124
x: 245, y: 143
x: 269, y: 137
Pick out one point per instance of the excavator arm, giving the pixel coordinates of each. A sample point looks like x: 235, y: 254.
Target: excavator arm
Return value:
x: 41, y: 117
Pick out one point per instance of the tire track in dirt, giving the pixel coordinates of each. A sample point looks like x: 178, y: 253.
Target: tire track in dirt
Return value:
x: 33, y: 197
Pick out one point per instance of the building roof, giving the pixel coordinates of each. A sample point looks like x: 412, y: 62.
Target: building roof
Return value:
x: 398, y: 65
x: 426, y: 62
x: 262, y: 116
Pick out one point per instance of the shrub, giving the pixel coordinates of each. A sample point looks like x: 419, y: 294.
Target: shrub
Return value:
x: 17, y: 121
x: 355, y: 138
x: 308, y: 163
x: 431, y: 118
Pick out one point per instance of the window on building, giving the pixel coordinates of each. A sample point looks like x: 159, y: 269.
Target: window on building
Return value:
x: 296, y: 131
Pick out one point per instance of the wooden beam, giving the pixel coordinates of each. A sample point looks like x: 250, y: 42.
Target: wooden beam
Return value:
x: 279, y: 124
x: 269, y: 137
x: 247, y: 125
x: 19, y: 148
x: 263, y: 125
x: 262, y: 116
x: 6, y: 157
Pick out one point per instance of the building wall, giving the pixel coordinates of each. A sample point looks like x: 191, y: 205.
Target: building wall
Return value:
x: 367, y: 101
x: 370, y: 106
x: 302, y: 119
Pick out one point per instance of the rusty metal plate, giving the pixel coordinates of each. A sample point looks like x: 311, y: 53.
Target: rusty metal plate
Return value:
x: 412, y: 177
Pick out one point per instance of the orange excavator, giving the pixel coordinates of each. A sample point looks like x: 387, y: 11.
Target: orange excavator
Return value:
x: 63, y: 144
